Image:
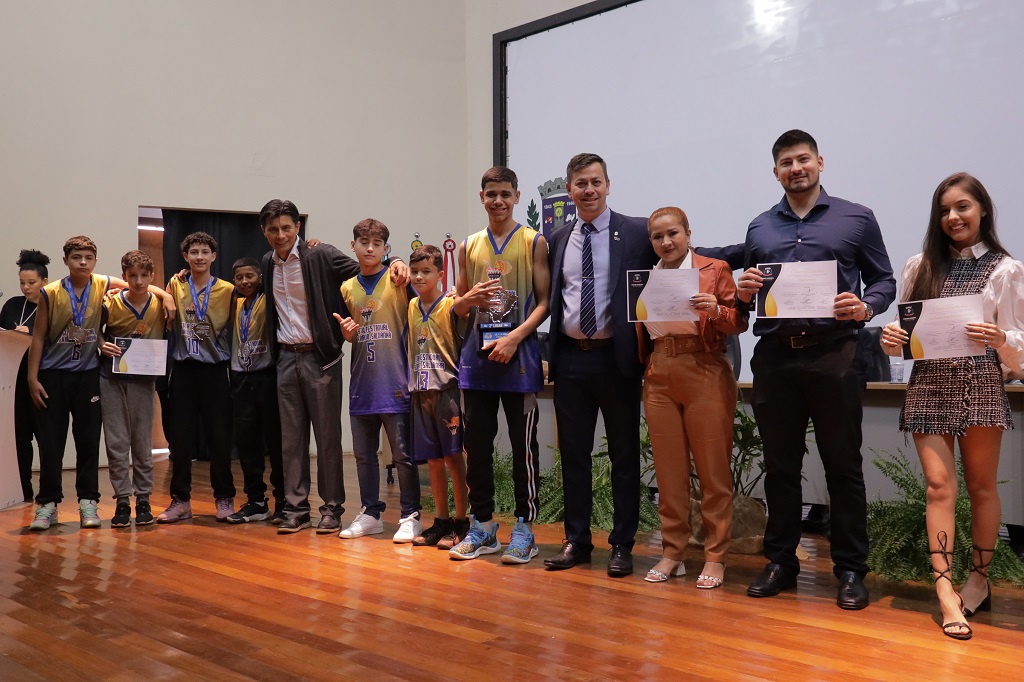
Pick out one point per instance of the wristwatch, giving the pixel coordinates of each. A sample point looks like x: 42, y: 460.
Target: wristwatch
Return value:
x: 868, y: 311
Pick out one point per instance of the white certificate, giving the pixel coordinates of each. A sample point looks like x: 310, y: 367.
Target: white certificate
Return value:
x: 146, y: 357
x: 937, y: 327
x: 662, y: 295
x: 797, y: 290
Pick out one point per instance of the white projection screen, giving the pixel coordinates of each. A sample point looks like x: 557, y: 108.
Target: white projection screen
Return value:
x: 683, y: 98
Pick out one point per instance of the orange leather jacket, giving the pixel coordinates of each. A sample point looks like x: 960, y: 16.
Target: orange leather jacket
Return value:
x: 716, y: 278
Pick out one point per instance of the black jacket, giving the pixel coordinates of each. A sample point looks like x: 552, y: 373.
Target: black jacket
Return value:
x: 324, y: 269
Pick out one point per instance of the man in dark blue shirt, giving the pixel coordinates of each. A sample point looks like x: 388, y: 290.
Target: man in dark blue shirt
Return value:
x: 805, y: 368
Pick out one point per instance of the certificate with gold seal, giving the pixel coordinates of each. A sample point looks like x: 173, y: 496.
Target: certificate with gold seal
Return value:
x: 144, y: 357
x: 937, y: 327
x: 662, y: 295
x: 800, y: 290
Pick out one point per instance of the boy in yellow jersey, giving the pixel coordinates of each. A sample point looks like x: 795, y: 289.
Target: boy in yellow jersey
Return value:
x: 436, y: 414
x: 127, y: 399
x: 374, y: 320
x: 503, y: 288
x: 200, y: 392
x: 254, y: 397
x: 63, y: 379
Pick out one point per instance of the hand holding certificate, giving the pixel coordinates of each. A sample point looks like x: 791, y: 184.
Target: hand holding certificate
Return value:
x: 797, y: 290
x: 146, y: 357
x: 662, y: 295
x: 937, y: 327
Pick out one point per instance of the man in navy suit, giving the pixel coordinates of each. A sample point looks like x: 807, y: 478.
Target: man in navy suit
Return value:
x: 594, y: 362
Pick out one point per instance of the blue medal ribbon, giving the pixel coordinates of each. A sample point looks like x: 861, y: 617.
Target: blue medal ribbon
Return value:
x: 78, y: 303
x: 245, y: 319
x: 200, y: 309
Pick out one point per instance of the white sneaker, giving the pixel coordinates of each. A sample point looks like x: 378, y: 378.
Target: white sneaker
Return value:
x: 363, y: 524
x: 88, y: 512
x: 46, y: 516
x: 408, y: 528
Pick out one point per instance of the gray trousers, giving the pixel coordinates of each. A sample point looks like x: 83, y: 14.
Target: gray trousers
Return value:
x: 127, y: 406
x: 307, y: 396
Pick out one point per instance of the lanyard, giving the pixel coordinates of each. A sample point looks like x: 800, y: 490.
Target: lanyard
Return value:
x: 78, y: 303
x: 200, y: 309
x: 24, y: 320
x: 245, y: 319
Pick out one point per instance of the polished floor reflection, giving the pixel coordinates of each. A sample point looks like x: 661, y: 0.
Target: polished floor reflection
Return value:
x: 203, y: 600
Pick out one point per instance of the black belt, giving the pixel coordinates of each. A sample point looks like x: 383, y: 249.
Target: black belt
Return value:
x: 810, y: 340
x: 297, y: 347
x: 586, y: 344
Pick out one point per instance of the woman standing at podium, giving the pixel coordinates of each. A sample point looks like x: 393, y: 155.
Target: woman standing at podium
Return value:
x: 19, y: 314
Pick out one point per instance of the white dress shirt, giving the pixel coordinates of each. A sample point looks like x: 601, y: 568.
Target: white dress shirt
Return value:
x: 1003, y: 302
x: 678, y: 328
x: 572, y: 278
x: 290, y: 299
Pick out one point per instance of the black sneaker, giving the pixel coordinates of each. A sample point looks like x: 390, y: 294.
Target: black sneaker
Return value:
x: 250, y: 511
x: 278, y: 518
x: 431, y: 536
x: 456, y: 534
x: 122, y: 515
x: 143, y: 513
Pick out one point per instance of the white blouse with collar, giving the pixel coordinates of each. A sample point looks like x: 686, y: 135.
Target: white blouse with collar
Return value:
x: 1003, y: 297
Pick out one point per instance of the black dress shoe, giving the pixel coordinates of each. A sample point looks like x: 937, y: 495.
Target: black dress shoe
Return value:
x: 773, y: 579
x: 570, y: 555
x: 327, y: 525
x: 853, y: 595
x: 620, y: 563
x: 293, y: 525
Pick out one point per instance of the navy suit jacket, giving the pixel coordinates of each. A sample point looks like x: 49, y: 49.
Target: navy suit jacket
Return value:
x: 630, y: 250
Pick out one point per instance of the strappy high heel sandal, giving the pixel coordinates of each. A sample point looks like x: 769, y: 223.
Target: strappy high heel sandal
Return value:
x: 982, y: 568
x: 947, y: 573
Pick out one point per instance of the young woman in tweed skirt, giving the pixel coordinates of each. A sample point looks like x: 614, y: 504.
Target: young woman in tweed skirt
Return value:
x: 962, y: 399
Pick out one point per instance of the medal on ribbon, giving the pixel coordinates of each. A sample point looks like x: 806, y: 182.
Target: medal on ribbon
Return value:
x: 77, y: 333
x: 244, y: 326
x: 200, y: 329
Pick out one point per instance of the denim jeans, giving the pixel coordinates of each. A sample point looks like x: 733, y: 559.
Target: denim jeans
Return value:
x: 365, y: 441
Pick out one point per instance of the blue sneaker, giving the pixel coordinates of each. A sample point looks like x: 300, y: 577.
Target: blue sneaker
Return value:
x: 521, y: 545
x: 478, y: 541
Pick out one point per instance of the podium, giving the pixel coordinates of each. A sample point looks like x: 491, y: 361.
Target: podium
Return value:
x: 12, y: 348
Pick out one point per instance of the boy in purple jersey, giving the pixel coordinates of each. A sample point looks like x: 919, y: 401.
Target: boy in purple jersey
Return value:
x: 436, y: 414
x: 378, y: 389
x: 502, y: 288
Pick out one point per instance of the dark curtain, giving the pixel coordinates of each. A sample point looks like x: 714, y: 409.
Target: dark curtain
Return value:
x: 238, y: 235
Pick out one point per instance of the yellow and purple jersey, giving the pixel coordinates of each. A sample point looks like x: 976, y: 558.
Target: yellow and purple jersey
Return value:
x: 201, y: 330
x: 251, y: 338
x: 511, y: 264
x: 122, y: 320
x: 433, y: 345
x: 73, y: 340
x: 380, y: 367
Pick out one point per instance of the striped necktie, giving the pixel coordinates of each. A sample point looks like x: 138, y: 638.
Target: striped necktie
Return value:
x: 588, y: 309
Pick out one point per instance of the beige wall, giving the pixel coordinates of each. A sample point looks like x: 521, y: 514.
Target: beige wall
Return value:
x: 483, y: 19
x: 350, y: 108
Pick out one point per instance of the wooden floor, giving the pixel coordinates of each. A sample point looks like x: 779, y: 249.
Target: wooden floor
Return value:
x: 202, y: 600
